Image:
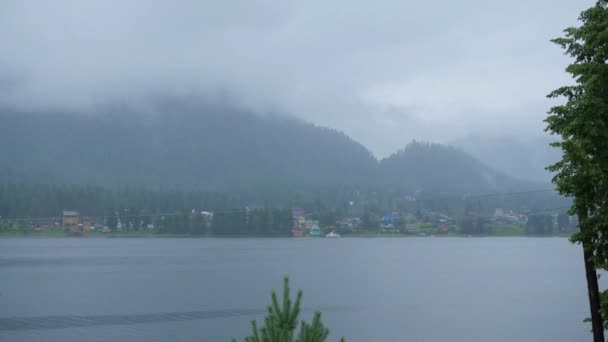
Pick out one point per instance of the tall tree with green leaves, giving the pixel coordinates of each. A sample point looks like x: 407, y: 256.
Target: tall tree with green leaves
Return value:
x: 281, y: 322
x: 582, y: 123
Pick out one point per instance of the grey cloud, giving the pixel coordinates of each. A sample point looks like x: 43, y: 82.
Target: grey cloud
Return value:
x: 385, y: 72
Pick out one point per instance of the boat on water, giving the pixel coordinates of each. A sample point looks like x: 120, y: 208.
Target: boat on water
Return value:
x: 333, y: 235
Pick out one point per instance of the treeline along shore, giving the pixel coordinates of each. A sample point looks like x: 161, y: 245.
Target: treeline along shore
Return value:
x: 63, y: 210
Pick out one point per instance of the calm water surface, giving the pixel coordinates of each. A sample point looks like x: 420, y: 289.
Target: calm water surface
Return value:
x: 408, y: 289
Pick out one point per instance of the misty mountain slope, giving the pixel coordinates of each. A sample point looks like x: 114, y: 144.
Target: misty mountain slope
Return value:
x: 524, y: 158
x: 440, y: 168
x: 183, y: 147
x: 180, y: 144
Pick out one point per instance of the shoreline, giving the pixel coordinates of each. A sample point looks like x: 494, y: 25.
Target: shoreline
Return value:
x: 152, y: 235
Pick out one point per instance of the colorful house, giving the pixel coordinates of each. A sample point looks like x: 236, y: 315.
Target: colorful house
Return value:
x: 298, y: 218
x: 390, y: 218
x: 86, y: 224
x: 70, y: 220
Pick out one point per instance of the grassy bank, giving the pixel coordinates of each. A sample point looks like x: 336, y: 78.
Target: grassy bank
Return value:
x: 60, y: 233
x: 34, y: 233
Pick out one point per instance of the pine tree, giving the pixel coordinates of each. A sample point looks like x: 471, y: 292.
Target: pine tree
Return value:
x: 281, y: 322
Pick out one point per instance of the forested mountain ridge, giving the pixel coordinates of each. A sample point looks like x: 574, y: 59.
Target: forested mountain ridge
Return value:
x: 441, y: 168
x: 211, y: 147
x: 206, y: 150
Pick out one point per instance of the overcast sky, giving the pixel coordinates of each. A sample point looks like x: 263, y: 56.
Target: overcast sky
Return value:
x: 385, y: 71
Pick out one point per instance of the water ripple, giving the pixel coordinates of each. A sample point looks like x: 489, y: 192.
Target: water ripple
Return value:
x: 71, y: 321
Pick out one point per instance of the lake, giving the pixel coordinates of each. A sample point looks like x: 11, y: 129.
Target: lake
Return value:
x: 369, y: 289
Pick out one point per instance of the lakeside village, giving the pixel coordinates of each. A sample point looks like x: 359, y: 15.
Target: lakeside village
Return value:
x: 500, y: 222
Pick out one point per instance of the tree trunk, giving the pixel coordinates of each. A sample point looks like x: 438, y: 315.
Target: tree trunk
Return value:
x: 592, y: 287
